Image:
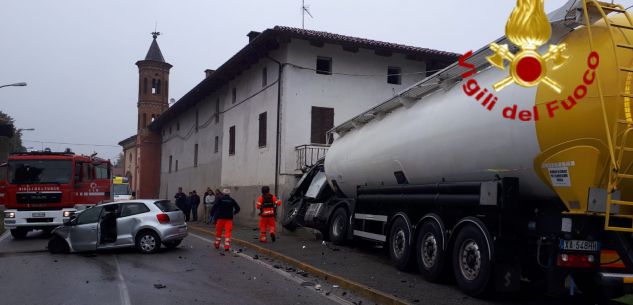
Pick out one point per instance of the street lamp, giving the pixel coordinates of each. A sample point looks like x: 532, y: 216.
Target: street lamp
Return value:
x: 22, y: 84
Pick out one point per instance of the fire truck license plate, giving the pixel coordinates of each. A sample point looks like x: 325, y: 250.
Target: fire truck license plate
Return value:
x: 39, y: 214
x: 579, y: 245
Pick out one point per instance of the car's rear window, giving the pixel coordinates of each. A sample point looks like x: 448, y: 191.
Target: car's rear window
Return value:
x: 166, y: 206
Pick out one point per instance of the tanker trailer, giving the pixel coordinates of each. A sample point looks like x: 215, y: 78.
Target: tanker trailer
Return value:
x: 499, y: 189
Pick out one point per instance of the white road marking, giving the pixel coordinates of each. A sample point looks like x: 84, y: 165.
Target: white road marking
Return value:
x: 123, y: 293
x: 285, y: 274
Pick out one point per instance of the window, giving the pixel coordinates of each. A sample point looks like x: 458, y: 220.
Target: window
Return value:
x: 197, y: 117
x: 144, y: 120
x: 324, y: 65
x: 169, y: 129
x: 394, y: 75
x: 90, y: 215
x: 156, y: 86
x: 133, y: 208
x: 130, y: 157
x: 217, y: 110
x: 234, y: 95
x: 322, y: 121
x: 166, y: 206
x: 178, y: 126
x: 217, y: 146
x: 195, y: 155
x: 170, y: 159
x: 264, y: 77
x: 262, y: 129
x: 101, y: 172
x: 232, y: 140
x: 176, y: 165
x: 153, y: 117
x: 145, y: 86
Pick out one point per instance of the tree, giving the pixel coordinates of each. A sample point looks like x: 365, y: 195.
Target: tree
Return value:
x: 119, y: 160
x: 9, y: 144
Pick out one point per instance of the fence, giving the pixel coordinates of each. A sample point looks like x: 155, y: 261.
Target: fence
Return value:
x: 308, y: 154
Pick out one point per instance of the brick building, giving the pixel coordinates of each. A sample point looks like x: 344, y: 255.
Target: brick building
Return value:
x: 142, y: 151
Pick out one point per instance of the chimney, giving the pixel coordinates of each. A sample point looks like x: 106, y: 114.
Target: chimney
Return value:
x: 252, y: 35
x: 208, y: 72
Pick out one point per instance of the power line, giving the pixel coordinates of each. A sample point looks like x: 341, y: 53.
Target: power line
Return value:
x: 66, y: 143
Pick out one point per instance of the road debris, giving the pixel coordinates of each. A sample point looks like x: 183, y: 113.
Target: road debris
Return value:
x: 159, y: 286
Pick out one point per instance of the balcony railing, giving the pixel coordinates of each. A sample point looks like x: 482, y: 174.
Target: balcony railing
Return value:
x: 308, y: 154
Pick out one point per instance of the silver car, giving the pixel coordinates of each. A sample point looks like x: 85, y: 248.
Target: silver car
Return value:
x: 143, y: 224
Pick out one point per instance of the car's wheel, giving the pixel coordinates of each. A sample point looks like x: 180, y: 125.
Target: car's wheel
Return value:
x: 172, y: 244
x: 337, y: 230
x: 58, y: 245
x: 19, y: 233
x: 430, y: 252
x: 400, y: 244
x: 471, y: 261
x: 147, y: 242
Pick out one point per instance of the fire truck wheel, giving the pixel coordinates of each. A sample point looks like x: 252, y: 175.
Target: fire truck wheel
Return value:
x: 19, y: 233
x: 57, y: 245
x: 430, y: 253
x: 147, y: 241
x: 471, y: 261
x: 399, y: 241
x: 337, y: 230
x: 172, y: 244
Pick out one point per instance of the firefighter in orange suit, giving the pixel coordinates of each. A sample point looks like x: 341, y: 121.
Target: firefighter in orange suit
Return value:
x: 223, y: 210
x: 267, y: 205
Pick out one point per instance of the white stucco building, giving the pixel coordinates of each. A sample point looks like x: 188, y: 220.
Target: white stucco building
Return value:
x: 247, y: 122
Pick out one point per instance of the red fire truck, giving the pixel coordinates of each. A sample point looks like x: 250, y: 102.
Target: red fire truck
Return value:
x: 43, y: 189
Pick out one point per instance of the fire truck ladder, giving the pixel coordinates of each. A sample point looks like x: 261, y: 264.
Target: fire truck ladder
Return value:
x: 623, y: 129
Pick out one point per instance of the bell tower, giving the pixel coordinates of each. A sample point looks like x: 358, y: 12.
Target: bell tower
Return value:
x: 153, y: 88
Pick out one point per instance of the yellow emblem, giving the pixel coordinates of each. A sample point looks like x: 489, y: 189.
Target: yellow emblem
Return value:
x: 528, y: 28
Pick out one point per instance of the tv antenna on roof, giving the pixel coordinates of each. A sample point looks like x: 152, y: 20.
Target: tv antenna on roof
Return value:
x: 304, y: 9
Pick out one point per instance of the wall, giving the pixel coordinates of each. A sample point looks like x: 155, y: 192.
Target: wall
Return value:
x: 349, y: 95
x: 180, y: 145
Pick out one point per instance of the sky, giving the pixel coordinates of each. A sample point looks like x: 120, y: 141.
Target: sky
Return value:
x: 78, y: 57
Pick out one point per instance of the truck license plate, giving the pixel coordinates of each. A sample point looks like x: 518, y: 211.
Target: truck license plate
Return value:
x: 39, y: 214
x: 579, y: 245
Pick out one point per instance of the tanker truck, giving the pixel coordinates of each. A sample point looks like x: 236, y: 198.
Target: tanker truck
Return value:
x: 528, y: 185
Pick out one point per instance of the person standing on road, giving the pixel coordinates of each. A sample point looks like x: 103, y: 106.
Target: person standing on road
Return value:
x: 209, y: 199
x: 194, y: 201
x: 224, y: 209
x: 181, y: 201
x: 267, y: 205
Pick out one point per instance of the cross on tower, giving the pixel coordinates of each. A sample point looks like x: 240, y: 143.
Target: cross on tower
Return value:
x: 155, y: 34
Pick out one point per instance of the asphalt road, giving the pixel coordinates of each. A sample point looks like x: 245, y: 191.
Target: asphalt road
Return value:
x: 194, y: 273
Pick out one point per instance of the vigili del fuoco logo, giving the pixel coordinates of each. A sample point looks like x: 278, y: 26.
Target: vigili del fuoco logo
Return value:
x: 528, y: 28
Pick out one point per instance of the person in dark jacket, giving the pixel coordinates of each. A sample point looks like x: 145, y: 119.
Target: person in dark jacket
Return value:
x: 223, y: 210
x: 181, y: 202
x: 194, y: 202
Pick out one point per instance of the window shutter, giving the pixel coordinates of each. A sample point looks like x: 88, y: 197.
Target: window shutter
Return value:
x: 322, y: 122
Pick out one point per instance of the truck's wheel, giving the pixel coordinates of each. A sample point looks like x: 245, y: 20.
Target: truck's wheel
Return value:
x: 19, y: 233
x: 430, y: 252
x: 471, y: 261
x: 57, y: 245
x: 337, y: 232
x: 400, y: 244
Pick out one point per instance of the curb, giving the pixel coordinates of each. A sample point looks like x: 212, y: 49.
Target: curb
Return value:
x: 359, y: 289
